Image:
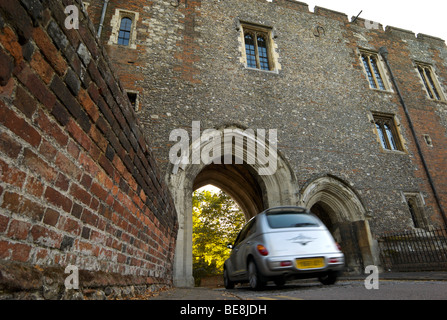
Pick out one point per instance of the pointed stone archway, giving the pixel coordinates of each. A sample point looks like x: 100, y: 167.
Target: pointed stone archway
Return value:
x: 343, y: 212
x: 252, y: 191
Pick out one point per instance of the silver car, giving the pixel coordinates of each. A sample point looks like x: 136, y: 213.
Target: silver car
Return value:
x: 283, y: 243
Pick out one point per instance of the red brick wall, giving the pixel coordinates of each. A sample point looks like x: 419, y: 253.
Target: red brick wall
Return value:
x: 78, y: 183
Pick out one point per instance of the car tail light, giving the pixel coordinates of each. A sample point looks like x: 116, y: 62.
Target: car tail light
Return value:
x: 285, y: 263
x: 262, y: 250
x: 338, y: 246
x: 333, y: 260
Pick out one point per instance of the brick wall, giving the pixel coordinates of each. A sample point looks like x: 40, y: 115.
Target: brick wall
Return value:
x: 78, y: 182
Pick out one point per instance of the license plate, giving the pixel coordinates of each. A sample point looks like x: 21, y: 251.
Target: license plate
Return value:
x: 313, y: 263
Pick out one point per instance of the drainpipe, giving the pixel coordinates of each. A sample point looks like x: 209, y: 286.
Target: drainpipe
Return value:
x: 384, y: 53
x: 103, y: 15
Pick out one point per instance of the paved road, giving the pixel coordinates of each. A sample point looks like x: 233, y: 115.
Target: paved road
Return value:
x: 308, y: 290
x: 350, y: 290
x: 195, y: 294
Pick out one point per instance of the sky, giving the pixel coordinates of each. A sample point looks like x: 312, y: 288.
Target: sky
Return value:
x: 209, y: 187
x: 427, y: 16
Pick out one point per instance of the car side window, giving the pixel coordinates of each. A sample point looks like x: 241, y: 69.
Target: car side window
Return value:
x: 240, y: 236
x: 251, y: 228
x: 246, y: 231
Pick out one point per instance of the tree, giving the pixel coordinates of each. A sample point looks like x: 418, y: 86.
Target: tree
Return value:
x: 216, y: 222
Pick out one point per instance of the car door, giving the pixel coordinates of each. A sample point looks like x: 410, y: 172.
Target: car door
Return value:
x: 235, y: 253
x: 244, y: 247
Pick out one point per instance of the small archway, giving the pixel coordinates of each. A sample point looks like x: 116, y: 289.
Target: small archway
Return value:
x: 342, y: 211
x: 243, y: 182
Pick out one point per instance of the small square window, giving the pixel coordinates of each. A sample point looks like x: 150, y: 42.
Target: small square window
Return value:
x: 430, y: 82
x: 374, y: 70
x: 387, y: 132
x: 428, y: 140
x: 134, y: 100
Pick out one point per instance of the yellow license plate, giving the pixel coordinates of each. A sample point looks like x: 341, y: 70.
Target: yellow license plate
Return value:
x: 313, y: 263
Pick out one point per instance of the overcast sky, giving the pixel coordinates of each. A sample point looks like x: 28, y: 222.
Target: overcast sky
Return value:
x: 427, y: 16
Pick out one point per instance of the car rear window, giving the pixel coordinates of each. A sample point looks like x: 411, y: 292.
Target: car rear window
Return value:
x: 292, y: 220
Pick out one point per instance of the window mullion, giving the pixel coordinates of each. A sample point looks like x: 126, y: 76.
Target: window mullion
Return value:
x: 258, y: 61
x: 385, y: 135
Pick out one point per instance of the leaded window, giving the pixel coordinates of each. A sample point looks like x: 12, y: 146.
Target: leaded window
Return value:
x: 430, y: 83
x: 372, y: 68
x: 257, y: 49
x: 387, y: 131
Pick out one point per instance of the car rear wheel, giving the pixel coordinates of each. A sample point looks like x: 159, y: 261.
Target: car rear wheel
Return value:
x: 328, y: 278
x: 280, y: 281
x: 254, y: 277
x: 227, y: 282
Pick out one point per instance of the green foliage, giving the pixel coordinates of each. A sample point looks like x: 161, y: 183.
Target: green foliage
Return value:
x: 216, y: 222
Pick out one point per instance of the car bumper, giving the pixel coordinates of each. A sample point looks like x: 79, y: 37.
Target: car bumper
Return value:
x: 288, y: 265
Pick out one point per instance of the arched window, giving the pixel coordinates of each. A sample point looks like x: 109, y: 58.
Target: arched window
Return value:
x: 381, y: 136
x: 262, y: 51
x: 389, y: 134
x: 124, y: 32
x: 250, y: 51
x: 431, y: 85
x: 371, y: 64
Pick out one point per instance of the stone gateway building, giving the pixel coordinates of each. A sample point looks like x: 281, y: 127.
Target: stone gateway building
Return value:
x: 361, y: 134
x: 354, y: 114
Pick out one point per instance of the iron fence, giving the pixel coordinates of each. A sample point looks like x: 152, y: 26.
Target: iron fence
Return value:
x: 417, y: 250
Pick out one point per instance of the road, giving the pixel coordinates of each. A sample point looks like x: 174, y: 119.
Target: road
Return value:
x: 350, y: 290
x: 313, y: 290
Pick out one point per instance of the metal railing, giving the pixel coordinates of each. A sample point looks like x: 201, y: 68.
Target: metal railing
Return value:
x: 417, y: 250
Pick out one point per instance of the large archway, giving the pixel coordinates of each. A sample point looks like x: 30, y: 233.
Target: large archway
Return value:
x: 342, y: 211
x: 243, y: 182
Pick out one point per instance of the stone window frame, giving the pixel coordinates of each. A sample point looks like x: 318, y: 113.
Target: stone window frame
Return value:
x: 115, y: 22
x: 380, y: 119
x: 380, y: 69
x: 268, y: 32
x: 415, y: 205
x: 431, y: 84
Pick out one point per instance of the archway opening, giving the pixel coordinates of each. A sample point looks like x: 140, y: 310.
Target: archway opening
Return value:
x: 344, y: 234
x: 324, y: 212
x: 342, y: 211
x: 225, y: 197
x: 217, y: 219
x: 252, y: 187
